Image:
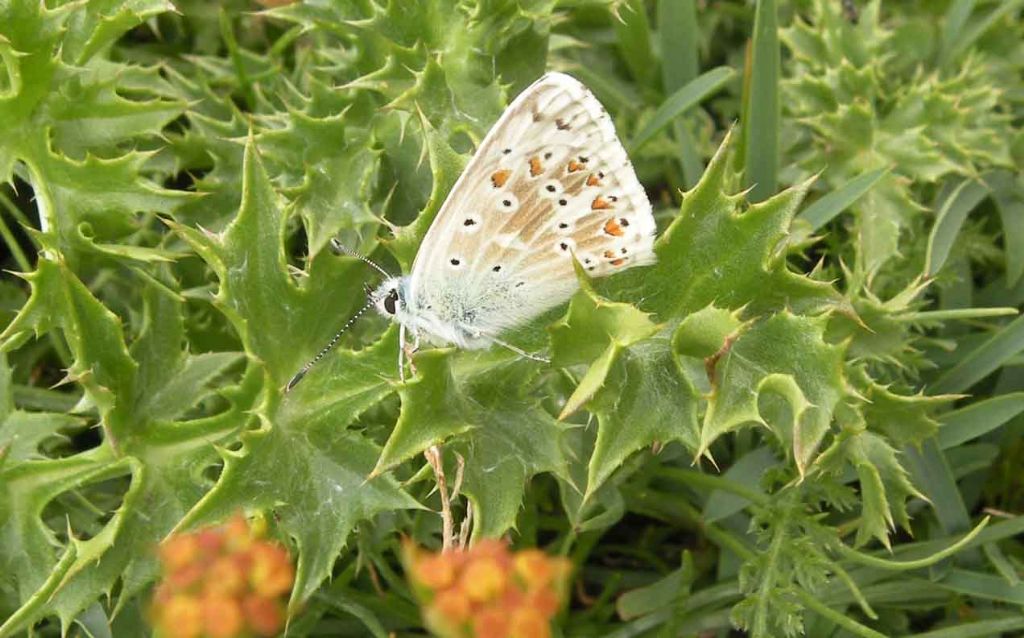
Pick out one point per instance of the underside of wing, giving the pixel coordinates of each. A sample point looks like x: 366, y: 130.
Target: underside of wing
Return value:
x: 549, y: 182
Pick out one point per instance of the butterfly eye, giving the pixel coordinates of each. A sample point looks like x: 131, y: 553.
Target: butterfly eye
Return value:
x: 390, y: 302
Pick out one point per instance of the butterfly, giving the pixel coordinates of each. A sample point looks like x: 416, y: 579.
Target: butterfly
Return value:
x: 549, y: 183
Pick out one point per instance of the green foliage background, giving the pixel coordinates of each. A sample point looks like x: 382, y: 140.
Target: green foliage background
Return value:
x: 791, y: 424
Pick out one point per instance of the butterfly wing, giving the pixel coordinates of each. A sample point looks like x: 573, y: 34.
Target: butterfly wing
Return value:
x: 549, y: 181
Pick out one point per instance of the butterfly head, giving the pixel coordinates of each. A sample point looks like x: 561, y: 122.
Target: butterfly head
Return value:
x: 389, y: 298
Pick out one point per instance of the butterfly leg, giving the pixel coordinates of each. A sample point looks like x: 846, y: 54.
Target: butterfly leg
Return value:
x: 401, y: 353
x: 410, y: 349
x: 406, y: 349
x: 519, y: 351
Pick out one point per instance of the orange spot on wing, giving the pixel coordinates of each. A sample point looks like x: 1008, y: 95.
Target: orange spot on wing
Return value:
x: 593, y: 180
x: 599, y: 203
x: 617, y: 262
x: 613, y: 228
x: 498, y: 178
x: 575, y: 166
x: 535, y: 167
x: 609, y: 254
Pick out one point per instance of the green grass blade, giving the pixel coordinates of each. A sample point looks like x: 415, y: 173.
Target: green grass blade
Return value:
x: 828, y: 207
x: 978, y: 418
x: 682, y: 100
x: 1006, y: 528
x: 974, y: 30
x: 956, y: 17
x: 678, y: 38
x: 8, y: 237
x: 614, y: 95
x: 761, y: 114
x: 1001, y: 564
x: 227, y: 32
x: 28, y: 397
x: 980, y: 629
x: 931, y: 473
x: 950, y: 219
x: 633, y: 30
x: 748, y: 470
x: 677, y: 35
x: 956, y: 314
x: 983, y: 360
x: 1008, y: 195
x: 980, y: 585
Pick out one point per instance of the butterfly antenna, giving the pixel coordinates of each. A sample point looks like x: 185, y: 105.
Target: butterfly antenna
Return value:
x: 342, y: 249
x: 323, y: 352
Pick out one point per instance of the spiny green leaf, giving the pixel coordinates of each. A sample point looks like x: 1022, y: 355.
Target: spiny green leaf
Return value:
x: 435, y: 93
x: 445, y: 165
x: 334, y: 169
x: 89, y: 201
x: 633, y: 383
x: 92, y: 116
x: 433, y: 409
x: 22, y: 432
x: 703, y: 333
x: 713, y: 253
x: 31, y: 571
x: 280, y: 323
x: 594, y: 328
x: 514, y: 439
x: 479, y: 405
x: 165, y: 458
x: 784, y: 356
x: 884, y: 482
x: 905, y: 420
x: 64, y: 120
x: 325, y: 492
x: 871, y: 112
x: 100, y: 23
x: 102, y: 364
x: 647, y: 398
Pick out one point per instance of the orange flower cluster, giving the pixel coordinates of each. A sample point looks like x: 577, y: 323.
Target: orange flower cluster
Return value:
x: 222, y: 582
x: 488, y: 591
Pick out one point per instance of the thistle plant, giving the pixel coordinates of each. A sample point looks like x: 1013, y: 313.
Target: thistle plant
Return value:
x: 803, y: 420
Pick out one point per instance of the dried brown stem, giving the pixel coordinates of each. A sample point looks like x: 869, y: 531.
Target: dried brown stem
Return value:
x: 434, y: 458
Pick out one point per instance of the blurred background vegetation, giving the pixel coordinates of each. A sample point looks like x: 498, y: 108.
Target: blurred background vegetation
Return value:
x: 170, y: 176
